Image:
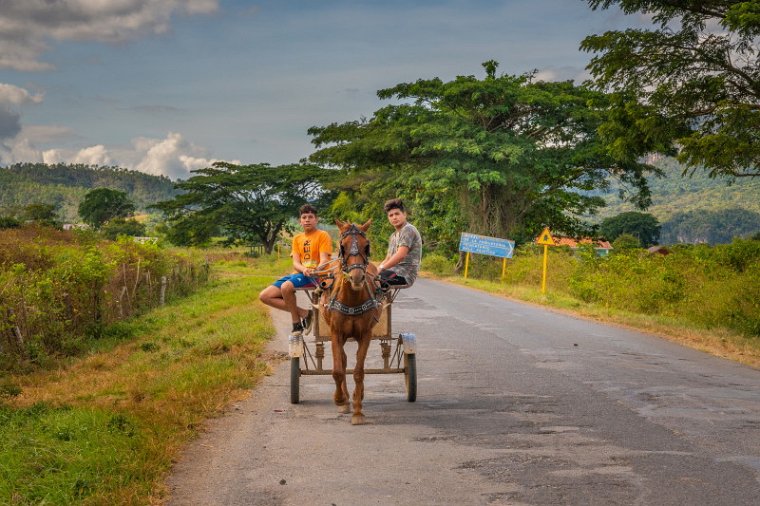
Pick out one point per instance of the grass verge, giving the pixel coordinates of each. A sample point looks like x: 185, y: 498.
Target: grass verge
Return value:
x: 721, y: 342
x: 104, y: 429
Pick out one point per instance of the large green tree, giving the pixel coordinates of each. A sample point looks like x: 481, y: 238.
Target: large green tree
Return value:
x: 251, y: 203
x: 104, y: 204
x: 690, y: 85
x: 643, y: 226
x: 500, y: 156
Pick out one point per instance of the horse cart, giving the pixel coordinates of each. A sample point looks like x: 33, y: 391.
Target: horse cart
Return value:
x: 397, y: 350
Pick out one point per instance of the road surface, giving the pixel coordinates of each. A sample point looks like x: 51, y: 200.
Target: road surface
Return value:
x: 516, y: 405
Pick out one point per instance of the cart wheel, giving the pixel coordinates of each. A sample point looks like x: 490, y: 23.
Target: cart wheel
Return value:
x: 410, y: 375
x: 295, y: 378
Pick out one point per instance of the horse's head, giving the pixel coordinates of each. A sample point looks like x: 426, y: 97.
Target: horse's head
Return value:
x: 354, y: 252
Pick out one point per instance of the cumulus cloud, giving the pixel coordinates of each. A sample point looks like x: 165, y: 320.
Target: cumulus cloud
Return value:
x: 13, y: 95
x: 172, y: 156
x: 26, y: 27
x: 575, y: 74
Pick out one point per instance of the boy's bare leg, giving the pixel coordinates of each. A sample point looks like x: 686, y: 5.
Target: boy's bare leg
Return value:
x: 283, y: 299
x: 289, y: 297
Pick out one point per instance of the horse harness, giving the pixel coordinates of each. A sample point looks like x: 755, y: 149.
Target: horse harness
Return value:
x: 374, y: 301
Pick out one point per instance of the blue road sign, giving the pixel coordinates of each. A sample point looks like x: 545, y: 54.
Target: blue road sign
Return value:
x: 484, y: 245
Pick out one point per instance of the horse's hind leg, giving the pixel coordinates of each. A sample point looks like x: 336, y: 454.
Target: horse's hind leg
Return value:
x: 361, y: 354
x: 339, y: 375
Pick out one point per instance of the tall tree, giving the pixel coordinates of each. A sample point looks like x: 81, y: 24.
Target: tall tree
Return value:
x: 251, y: 203
x: 691, y: 84
x: 499, y: 156
x: 103, y: 204
x: 643, y: 226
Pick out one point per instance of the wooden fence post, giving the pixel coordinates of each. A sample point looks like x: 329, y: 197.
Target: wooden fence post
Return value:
x: 162, y: 299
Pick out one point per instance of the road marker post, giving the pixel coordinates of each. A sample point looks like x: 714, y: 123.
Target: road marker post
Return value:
x: 545, y: 239
x: 466, y: 264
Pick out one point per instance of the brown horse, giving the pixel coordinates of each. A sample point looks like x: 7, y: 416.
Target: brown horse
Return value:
x: 351, y: 311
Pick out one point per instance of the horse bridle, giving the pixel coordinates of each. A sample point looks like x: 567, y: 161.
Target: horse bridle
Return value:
x: 353, y: 250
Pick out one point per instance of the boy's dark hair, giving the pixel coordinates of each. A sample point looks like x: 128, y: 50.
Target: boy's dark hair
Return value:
x: 394, y: 204
x: 307, y: 209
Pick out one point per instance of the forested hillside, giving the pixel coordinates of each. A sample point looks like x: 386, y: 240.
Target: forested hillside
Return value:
x: 697, y: 208
x: 65, y: 186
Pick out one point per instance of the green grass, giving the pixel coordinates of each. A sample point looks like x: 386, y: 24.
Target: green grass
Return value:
x: 104, y: 428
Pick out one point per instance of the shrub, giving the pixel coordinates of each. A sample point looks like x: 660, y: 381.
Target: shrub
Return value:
x: 9, y: 222
x: 437, y: 264
x: 58, y: 289
x: 625, y: 242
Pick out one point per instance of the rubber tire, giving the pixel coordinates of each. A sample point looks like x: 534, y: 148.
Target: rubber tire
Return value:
x: 410, y: 376
x: 295, y: 379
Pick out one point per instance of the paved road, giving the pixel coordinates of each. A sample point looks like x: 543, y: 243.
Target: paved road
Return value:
x: 516, y: 405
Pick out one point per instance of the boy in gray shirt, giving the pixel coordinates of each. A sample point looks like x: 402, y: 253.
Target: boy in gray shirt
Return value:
x: 402, y: 262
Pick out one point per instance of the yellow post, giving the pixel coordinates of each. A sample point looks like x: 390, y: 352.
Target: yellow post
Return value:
x: 546, y: 261
x: 503, y: 268
x: 466, y: 264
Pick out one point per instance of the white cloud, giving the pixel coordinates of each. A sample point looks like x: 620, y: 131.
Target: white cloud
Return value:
x: 577, y: 75
x: 27, y: 26
x: 13, y: 95
x: 94, y: 155
x: 173, y: 156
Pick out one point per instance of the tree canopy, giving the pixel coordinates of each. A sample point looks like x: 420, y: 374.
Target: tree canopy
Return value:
x: 643, y: 226
x: 103, y: 204
x: 689, y: 85
x: 250, y: 203
x: 500, y: 156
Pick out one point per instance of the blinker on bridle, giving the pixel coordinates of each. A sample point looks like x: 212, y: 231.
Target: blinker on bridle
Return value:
x: 353, y: 250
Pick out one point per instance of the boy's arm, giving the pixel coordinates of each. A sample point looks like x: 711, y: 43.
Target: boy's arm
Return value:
x: 297, y: 265
x: 394, y: 259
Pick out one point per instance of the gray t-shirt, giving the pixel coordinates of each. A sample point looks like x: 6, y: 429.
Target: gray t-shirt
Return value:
x: 408, y: 236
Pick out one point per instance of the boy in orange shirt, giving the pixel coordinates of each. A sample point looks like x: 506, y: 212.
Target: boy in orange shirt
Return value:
x: 310, y: 249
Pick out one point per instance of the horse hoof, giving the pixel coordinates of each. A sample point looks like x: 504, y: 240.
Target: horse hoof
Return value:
x: 358, y: 420
x: 344, y: 409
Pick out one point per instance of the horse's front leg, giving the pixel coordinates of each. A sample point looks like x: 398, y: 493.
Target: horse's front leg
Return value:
x: 339, y: 374
x: 361, y: 354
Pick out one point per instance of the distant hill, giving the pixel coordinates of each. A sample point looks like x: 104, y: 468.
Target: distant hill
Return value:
x: 66, y: 185
x: 695, y: 208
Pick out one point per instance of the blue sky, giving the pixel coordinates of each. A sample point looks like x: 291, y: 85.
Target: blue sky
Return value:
x: 165, y: 86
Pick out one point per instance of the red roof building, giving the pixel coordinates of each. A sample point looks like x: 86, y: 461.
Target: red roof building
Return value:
x: 602, y: 248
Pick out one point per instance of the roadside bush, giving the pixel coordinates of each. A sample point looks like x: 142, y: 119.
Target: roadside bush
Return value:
x: 58, y: 289
x: 437, y: 264
x: 712, y: 286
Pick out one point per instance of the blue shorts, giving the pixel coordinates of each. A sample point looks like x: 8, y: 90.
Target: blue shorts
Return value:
x: 298, y: 280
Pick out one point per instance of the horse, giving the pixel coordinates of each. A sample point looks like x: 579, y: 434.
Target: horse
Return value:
x: 351, y: 310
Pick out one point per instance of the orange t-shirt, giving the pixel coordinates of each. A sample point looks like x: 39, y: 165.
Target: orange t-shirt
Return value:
x: 309, y: 247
